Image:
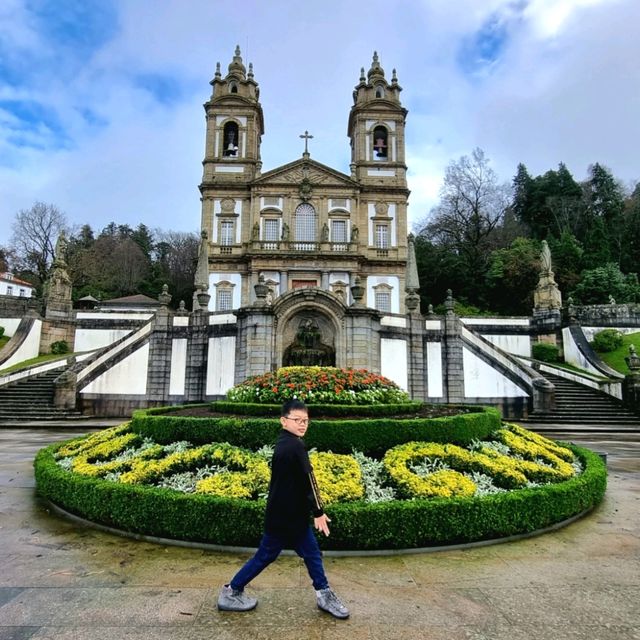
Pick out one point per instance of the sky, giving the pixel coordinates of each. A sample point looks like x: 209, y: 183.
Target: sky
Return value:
x: 101, y: 100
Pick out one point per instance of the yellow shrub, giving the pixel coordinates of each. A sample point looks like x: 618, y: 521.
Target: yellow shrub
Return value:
x: 79, y: 445
x: 339, y: 477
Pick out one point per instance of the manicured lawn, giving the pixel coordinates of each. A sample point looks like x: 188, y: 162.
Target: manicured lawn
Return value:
x: 615, y: 359
x: 4, y: 341
x: 34, y: 361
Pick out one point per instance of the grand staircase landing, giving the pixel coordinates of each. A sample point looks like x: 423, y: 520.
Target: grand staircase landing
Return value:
x: 583, y: 409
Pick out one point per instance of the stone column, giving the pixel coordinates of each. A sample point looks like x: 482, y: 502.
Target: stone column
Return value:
x: 159, y: 370
x: 197, y: 353
x: 453, y: 367
x: 415, y: 351
x: 256, y: 341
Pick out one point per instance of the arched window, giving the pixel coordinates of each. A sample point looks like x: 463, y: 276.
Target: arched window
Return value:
x: 305, y: 223
x: 382, y: 297
x: 233, y: 87
x: 380, y: 148
x: 230, y: 140
x: 379, y: 91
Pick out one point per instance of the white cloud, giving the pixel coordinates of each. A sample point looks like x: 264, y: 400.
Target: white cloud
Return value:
x: 562, y: 88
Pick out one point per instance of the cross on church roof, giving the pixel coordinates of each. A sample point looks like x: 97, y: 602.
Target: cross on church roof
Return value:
x: 307, y: 136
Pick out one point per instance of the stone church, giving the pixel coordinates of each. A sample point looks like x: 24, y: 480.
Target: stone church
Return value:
x: 298, y: 265
x: 305, y: 224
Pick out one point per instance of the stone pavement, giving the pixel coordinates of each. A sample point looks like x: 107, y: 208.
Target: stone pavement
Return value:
x: 64, y: 582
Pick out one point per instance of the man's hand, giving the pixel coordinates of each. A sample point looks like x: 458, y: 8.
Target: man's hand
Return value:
x: 322, y: 524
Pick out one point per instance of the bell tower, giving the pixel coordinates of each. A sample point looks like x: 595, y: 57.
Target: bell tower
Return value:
x: 235, y: 126
x: 376, y: 129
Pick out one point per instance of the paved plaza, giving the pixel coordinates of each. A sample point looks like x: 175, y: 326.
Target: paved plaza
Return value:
x: 62, y: 581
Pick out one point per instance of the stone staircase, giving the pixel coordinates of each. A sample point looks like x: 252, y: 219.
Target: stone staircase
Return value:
x: 583, y: 409
x: 31, y: 399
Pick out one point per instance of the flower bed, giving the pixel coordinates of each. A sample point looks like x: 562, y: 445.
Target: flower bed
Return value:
x: 328, y: 385
x: 417, y: 494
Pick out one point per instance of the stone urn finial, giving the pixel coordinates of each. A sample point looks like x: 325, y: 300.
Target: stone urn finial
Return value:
x: 633, y: 360
x: 262, y: 290
x: 449, y: 302
x: 357, y: 292
x: 203, y: 299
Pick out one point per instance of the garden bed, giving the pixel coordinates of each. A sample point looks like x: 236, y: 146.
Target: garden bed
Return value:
x: 93, y: 478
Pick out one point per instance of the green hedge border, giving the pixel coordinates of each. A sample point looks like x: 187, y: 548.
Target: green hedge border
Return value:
x: 357, y: 526
x: 372, y: 436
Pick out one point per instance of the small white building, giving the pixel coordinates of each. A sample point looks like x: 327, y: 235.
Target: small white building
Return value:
x: 12, y: 286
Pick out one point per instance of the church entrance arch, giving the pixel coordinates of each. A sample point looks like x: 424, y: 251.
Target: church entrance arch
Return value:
x: 309, y: 328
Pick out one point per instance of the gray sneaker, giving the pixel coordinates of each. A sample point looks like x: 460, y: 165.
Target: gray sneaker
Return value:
x: 328, y: 601
x: 234, y: 600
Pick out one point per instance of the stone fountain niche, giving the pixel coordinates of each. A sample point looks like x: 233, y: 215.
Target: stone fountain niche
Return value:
x: 310, y: 340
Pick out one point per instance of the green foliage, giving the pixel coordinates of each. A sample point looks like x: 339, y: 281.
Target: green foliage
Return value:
x: 607, y: 340
x: 372, y: 436
x: 512, y: 276
x: 357, y: 525
x: 59, y: 347
x: 597, y: 285
x: 545, y: 352
x: 1, y: 332
x: 337, y: 410
x: 616, y: 359
x: 567, y: 254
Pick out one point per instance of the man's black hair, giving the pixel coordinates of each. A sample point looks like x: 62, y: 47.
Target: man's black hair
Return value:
x: 292, y: 405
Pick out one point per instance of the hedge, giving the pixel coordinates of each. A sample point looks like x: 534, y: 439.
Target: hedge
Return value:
x: 273, y: 410
x: 371, y: 436
x: 387, y: 525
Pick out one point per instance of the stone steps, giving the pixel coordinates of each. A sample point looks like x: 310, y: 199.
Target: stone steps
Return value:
x: 583, y: 409
x: 32, y: 399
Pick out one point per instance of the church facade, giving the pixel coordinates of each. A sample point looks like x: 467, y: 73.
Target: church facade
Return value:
x: 299, y: 265
x: 304, y: 224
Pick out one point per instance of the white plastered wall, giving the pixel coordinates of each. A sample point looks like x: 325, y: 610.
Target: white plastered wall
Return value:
x: 220, y: 365
x: 90, y: 339
x: 434, y: 370
x: 30, y: 347
x: 393, y: 361
x: 10, y: 325
x: 127, y: 377
x: 178, y: 373
x: 483, y: 381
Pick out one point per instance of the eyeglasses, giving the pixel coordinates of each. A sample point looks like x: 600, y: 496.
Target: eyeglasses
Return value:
x: 300, y: 421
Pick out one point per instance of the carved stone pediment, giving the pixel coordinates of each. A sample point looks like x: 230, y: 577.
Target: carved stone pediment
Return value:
x: 307, y: 171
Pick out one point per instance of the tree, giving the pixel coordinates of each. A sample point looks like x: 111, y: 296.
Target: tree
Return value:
x: 631, y: 238
x: 596, y: 285
x: 472, y: 205
x: 549, y: 204
x: 567, y: 255
x: 35, y: 232
x: 512, y: 276
x: 176, y: 257
x: 604, y: 202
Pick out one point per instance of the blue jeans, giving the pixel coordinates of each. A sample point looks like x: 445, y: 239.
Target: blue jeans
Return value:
x: 270, y: 547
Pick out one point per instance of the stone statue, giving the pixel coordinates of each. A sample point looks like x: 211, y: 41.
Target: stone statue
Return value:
x: 324, y: 234
x: 255, y: 231
x: 285, y: 232
x: 61, y: 249
x: 355, y: 233
x: 612, y: 300
x: 545, y: 257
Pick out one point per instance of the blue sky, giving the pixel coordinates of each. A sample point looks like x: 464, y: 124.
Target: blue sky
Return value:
x: 101, y: 100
